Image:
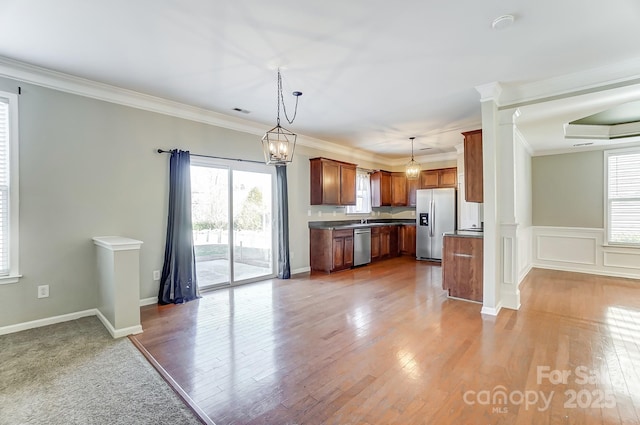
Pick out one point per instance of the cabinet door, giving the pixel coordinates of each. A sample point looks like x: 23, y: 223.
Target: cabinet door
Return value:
x: 394, y: 248
x: 407, y: 240
x: 347, y: 185
x: 398, y: 189
x: 338, y: 253
x: 412, y: 186
x: 375, y: 243
x: 473, y: 178
x: 447, y: 177
x: 348, y: 252
x: 330, y: 183
x: 462, y: 267
x: 429, y: 179
x: 385, y: 242
x: 381, y: 189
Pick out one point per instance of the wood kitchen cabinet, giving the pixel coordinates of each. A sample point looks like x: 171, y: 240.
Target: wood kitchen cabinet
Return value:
x: 331, y: 250
x: 473, y: 170
x: 442, y: 177
x: 381, y: 189
x: 375, y: 243
x: 407, y: 240
x: 412, y: 186
x: 384, y: 242
x: 399, y: 189
x: 462, y: 267
x: 332, y: 182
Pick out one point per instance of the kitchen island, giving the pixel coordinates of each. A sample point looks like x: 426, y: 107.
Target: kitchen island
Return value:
x: 462, y: 264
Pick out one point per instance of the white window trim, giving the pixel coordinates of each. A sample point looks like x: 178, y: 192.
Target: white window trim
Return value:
x: 352, y: 209
x: 14, y: 212
x: 607, y: 153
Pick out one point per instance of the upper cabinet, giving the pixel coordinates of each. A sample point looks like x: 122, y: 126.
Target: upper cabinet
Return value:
x: 473, y: 166
x: 398, y: 189
x: 332, y: 182
x: 381, y: 189
x: 442, y: 177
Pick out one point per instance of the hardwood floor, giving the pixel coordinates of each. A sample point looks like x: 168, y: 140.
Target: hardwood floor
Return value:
x: 382, y: 344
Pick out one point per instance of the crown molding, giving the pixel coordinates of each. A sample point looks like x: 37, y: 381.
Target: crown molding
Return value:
x: 20, y: 71
x: 425, y: 159
x: 595, y: 79
x: 490, y: 92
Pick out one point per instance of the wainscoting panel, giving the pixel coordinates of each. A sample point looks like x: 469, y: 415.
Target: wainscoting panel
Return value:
x: 567, y: 249
x: 524, y: 252
x: 582, y: 250
x: 628, y: 260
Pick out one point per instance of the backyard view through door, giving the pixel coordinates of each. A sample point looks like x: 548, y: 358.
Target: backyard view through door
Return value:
x: 218, y: 193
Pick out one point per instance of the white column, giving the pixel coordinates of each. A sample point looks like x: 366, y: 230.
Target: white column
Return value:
x: 509, y: 290
x: 491, y: 303
x: 118, y: 261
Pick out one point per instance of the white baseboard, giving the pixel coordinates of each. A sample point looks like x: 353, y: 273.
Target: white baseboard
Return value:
x: 491, y: 311
x: 46, y: 321
x: 300, y: 270
x: 148, y: 301
x: 118, y: 333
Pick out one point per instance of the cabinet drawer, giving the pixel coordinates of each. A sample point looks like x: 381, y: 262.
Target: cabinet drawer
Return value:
x: 342, y: 233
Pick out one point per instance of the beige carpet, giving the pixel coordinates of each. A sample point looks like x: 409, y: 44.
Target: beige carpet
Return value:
x: 75, y: 373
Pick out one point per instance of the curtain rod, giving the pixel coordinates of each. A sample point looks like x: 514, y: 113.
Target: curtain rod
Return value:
x: 217, y: 157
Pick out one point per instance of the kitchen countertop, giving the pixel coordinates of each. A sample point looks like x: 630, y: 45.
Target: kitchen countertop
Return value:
x: 355, y: 224
x: 463, y: 233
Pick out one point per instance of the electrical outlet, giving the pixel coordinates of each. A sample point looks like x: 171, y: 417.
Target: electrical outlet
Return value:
x: 156, y: 275
x: 43, y: 291
x: 308, y: 213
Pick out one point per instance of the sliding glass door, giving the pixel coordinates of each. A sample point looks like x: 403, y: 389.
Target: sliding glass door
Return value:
x: 232, y: 207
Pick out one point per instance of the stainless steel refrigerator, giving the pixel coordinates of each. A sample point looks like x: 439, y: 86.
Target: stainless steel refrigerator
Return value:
x: 435, y: 215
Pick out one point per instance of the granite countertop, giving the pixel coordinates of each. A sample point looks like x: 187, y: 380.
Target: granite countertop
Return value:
x: 463, y: 233
x: 355, y: 224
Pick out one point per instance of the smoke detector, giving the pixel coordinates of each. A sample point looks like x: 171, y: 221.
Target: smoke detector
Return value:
x: 502, y: 22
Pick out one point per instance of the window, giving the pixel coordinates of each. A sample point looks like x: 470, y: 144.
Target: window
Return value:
x: 363, y: 194
x: 622, y: 168
x: 8, y: 188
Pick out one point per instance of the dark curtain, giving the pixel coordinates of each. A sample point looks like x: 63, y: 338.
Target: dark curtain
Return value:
x: 284, y: 270
x: 178, y: 282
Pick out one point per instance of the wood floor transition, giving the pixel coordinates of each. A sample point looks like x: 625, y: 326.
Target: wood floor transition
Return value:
x: 382, y: 344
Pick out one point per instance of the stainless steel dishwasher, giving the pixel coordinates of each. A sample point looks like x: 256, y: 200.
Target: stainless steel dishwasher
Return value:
x: 361, y: 246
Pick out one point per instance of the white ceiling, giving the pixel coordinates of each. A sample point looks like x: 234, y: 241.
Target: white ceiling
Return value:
x: 373, y: 73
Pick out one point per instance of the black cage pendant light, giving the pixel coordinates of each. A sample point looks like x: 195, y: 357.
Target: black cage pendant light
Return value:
x: 279, y: 143
x: 412, y: 170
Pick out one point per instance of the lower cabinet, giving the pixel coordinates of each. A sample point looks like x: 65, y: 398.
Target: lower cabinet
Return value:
x: 384, y: 242
x: 331, y: 250
x: 462, y: 267
x: 342, y: 249
x: 407, y: 240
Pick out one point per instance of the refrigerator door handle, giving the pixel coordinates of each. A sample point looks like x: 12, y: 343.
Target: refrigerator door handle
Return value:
x: 433, y: 218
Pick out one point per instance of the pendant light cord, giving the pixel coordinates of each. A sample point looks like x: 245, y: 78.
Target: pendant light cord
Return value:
x: 411, y: 147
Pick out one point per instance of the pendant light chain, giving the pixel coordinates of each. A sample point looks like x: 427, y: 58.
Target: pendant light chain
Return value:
x: 284, y: 106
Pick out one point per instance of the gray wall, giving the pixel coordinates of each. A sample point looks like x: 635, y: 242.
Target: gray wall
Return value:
x: 89, y: 168
x: 568, y: 190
